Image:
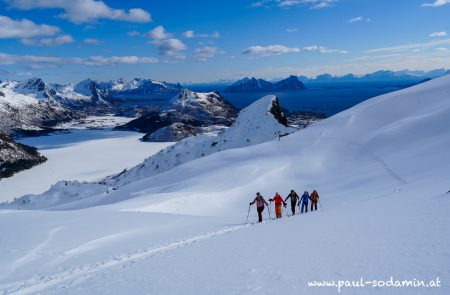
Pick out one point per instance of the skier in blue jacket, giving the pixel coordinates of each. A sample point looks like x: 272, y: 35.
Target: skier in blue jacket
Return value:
x: 304, y: 200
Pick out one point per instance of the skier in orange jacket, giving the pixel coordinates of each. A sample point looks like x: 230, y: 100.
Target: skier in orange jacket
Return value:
x: 278, y: 202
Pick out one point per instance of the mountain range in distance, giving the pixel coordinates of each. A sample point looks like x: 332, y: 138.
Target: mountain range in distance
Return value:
x: 258, y: 84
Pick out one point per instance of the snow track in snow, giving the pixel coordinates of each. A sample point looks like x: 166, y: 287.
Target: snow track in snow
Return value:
x: 72, y: 276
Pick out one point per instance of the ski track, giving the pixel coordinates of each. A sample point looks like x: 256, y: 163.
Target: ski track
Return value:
x: 41, y: 282
x: 34, y: 253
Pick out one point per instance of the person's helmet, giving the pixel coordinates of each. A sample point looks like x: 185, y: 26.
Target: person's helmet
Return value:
x: 292, y: 190
x: 305, y: 192
x: 257, y: 193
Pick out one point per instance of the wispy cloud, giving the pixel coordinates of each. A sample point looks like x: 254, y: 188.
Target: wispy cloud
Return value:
x: 409, y: 47
x: 190, y: 34
x: 438, y: 34
x: 84, y: 11
x: 92, y: 41
x: 205, y: 53
x: 312, y: 4
x: 323, y: 49
x: 51, y: 41
x: 113, y: 60
x: 24, y: 28
x: 436, y: 3
x: 291, y: 30
x: 9, y: 59
x: 269, y: 50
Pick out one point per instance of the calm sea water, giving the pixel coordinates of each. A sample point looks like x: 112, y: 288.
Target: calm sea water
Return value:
x: 325, y: 98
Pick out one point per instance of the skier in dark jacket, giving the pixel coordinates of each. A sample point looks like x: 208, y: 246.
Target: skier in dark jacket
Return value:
x: 259, y: 200
x: 304, y: 200
x: 294, y: 199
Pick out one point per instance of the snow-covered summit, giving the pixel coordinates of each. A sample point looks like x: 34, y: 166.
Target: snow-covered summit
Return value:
x: 138, y: 88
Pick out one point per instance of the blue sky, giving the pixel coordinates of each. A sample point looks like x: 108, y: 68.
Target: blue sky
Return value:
x: 202, y: 41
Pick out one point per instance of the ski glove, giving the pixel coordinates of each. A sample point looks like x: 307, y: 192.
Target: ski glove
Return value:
x: 284, y: 204
x: 250, y: 204
x: 270, y: 200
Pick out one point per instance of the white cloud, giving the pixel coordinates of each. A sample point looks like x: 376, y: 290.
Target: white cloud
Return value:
x: 190, y: 34
x: 206, y: 52
x: 159, y: 33
x: 9, y: 59
x: 409, y: 47
x: 269, y: 50
x: 113, y: 60
x: 92, y: 41
x: 438, y: 34
x: 442, y: 49
x: 51, y: 41
x: 436, y: 3
x: 81, y: 11
x: 24, y: 28
x: 313, y: 4
x: 355, y: 19
x: 323, y: 49
x: 170, y: 47
x: 291, y: 30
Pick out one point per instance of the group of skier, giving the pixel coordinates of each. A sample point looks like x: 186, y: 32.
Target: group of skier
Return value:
x: 279, y: 203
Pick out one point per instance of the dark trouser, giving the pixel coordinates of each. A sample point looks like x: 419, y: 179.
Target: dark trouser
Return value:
x: 293, y: 208
x: 313, y: 205
x: 260, y: 211
x: 305, y: 206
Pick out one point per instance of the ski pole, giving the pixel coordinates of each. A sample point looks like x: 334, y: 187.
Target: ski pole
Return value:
x: 248, y: 213
x: 270, y: 205
x: 320, y: 204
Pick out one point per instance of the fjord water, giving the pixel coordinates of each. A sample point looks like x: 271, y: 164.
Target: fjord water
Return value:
x: 326, y: 98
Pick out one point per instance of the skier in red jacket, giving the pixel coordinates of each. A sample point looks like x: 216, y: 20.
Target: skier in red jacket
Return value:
x: 278, y: 202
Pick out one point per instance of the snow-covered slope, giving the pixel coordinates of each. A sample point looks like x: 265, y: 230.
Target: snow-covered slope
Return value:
x: 381, y: 169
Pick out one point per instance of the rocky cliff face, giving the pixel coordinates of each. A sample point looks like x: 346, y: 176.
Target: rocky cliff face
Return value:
x: 15, y: 157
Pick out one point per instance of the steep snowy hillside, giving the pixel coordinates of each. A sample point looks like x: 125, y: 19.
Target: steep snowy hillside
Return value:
x: 259, y: 122
x: 381, y: 169
x: 15, y: 157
